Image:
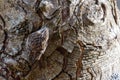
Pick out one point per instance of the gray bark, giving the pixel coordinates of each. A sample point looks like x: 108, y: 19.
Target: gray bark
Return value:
x: 83, y: 40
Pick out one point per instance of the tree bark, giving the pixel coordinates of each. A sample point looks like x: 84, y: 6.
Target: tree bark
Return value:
x: 83, y: 40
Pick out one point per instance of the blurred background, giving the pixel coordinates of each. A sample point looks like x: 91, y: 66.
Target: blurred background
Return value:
x: 118, y: 1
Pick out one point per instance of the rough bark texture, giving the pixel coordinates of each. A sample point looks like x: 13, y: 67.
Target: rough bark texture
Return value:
x: 83, y: 40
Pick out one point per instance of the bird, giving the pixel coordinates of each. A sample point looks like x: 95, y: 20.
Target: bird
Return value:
x: 36, y: 43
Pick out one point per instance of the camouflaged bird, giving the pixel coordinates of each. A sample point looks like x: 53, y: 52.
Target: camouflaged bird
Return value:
x: 36, y: 43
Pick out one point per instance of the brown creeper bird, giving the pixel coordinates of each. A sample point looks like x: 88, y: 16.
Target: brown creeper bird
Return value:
x: 36, y: 43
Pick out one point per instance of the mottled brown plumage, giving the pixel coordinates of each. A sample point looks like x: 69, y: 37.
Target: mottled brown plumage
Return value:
x: 36, y: 43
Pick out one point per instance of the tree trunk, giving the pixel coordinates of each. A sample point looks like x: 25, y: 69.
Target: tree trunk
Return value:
x: 83, y: 40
